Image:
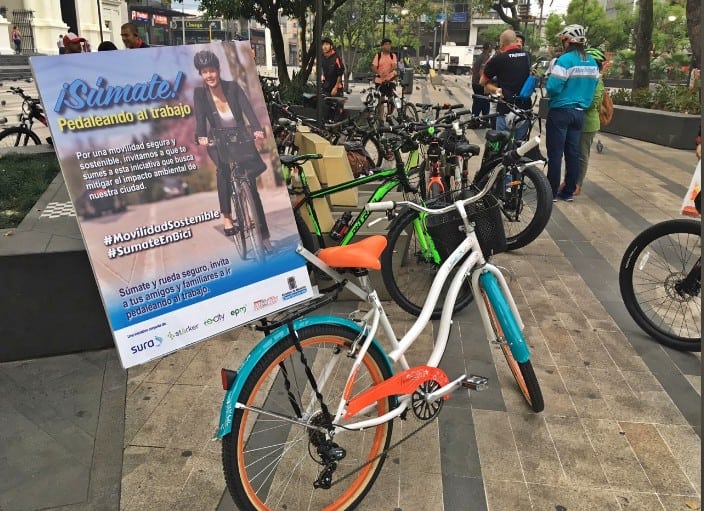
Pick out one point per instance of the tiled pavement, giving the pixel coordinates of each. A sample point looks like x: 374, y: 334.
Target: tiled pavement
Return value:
x: 622, y: 425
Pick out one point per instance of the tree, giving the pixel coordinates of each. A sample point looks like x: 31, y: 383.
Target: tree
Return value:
x: 644, y: 37
x: 694, y: 29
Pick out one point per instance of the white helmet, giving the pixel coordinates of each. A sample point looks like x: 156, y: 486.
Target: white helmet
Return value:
x: 573, y: 34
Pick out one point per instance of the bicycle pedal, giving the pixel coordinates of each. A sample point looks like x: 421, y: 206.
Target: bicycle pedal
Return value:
x: 474, y: 382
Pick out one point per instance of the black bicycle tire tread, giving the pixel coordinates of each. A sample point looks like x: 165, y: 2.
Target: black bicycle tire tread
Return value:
x: 20, y: 130
x: 256, y: 237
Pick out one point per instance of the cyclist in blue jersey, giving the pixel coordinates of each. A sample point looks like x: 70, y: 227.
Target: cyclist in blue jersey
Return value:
x: 571, y: 89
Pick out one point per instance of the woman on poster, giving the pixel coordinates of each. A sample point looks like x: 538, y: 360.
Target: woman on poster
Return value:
x: 222, y: 104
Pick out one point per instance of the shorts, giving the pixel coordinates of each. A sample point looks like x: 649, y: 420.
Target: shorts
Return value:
x: 386, y: 88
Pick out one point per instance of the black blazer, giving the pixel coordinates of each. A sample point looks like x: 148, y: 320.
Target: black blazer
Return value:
x: 207, y: 118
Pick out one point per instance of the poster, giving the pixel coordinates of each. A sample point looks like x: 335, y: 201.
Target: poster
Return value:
x: 147, y: 141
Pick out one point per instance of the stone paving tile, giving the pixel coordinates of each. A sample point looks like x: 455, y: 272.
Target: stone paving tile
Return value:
x: 686, y: 448
x: 585, y: 396
x: 656, y: 459
x: 536, y: 450
x: 502, y: 495
x: 680, y: 502
x: 639, y: 501
x: 617, y: 459
x: 140, y: 405
x: 497, y: 449
x: 545, y: 497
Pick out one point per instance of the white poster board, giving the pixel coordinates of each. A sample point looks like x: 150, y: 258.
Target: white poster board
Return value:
x: 135, y: 133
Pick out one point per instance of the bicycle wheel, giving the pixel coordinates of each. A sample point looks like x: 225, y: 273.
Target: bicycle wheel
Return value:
x: 525, y: 211
x: 251, y: 224
x: 408, y: 271
x: 651, y: 274
x: 18, y: 136
x: 270, y: 463
x: 238, y: 217
x: 522, y: 371
x: 410, y: 113
x: 373, y: 148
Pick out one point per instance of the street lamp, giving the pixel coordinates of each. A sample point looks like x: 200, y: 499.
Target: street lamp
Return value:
x: 383, y: 23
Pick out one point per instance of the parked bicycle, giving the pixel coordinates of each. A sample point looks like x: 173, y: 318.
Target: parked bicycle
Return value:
x: 307, y: 419
x: 660, y: 282
x: 23, y: 134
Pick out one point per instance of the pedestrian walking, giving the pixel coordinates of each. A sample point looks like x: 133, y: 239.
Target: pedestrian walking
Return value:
x: 17, y: 39
x: 570, y: 88
x: 332, y: 69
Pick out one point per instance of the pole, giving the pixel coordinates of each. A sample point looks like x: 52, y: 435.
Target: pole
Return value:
x: 318, y: 58
x: 435, y: 36
x: 100, y: 22
x: 383, y: 23
x: 183, y: 24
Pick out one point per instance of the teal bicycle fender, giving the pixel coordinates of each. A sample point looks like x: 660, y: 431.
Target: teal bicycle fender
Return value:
x: 513, y: 333
x: 228, y: 405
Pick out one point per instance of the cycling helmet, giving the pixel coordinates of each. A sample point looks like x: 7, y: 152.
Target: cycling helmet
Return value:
x: 573, y: 34
x: 205, y: 58
x: 596, y: 54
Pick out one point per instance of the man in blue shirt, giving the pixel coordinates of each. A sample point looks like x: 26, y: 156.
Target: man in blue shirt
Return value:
x: 571, y: 90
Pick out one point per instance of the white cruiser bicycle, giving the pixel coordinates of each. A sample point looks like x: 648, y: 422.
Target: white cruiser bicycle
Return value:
x: 307, y: 419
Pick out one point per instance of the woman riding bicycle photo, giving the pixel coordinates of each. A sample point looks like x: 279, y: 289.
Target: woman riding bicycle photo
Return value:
x: 222, y: 104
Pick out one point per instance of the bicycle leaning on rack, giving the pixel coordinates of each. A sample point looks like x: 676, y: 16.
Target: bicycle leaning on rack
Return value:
x: 660, y: 282
x: 307, y: 419
x: 23, y: 134
x: 247, y: 237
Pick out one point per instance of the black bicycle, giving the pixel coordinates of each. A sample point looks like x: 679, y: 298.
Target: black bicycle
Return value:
x: 230, y: 143
x: 23, y: 134
x: 660, y: 282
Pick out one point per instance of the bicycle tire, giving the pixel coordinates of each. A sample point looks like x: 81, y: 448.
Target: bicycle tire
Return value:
x: 650, y: 269
x: 252, y: 224
x: 17, y: 136
x: 410, y: 112
x: 373, y: 148
x: 522, y: 372
x: 239, y: 237
x: 246, y: 456
x: 533, y: 210
x: 408, y: 274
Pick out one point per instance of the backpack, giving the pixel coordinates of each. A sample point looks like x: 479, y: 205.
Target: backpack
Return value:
x: 606, y: 109
x: 359, y: 158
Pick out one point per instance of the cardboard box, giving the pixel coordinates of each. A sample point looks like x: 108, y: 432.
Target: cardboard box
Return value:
x: 336, y: 168
x: 312, y: 144
x: 322, y: 209
x: 300, y: 130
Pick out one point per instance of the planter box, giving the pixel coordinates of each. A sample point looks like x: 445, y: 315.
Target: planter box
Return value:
x: 656, y: 126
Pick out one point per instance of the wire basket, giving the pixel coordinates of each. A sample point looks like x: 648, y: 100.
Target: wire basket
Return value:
x: 447, y: 230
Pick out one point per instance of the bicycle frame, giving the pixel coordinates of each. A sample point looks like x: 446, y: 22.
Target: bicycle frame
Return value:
x: 391, y: 179
x: 473, y: 265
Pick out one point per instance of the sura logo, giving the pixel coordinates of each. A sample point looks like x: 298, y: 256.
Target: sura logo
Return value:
x: 151, y: 343
x: 215, y: 319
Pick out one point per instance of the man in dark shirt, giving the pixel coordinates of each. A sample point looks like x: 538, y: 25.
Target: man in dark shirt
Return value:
x: 130, y: 37
x: 479, y: 105
x: 332, y: 69
x: 504, y: 75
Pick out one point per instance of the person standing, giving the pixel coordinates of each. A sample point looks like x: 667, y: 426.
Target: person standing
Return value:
x: 385, y: 67
x: 570, y: 87
x: 74, y: 44
x: 17, y: 39
x: 131, y: 38
x: 60, y: 44
x: 480, y: 106
x: 591, y: 122
x: 504, y: 75
x: 332, y: 69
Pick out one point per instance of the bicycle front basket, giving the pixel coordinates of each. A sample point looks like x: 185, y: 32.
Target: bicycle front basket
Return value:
x: 447, y: 230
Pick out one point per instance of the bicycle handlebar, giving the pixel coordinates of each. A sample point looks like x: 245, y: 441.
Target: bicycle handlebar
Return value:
x: 514, y: 155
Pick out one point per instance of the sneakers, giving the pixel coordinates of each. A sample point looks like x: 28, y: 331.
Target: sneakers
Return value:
x: 563, y: 196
